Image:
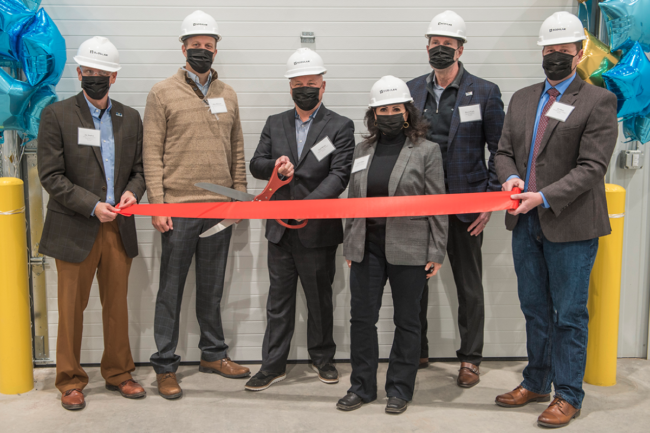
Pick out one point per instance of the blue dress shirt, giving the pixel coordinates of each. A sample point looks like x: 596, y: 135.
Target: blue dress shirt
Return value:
x: 107, y: 141
x: 302, y: 129
x: 561, y: 87
x: 202, y: 87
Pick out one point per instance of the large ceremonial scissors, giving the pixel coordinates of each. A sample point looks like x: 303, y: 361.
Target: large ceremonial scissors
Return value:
x: 274, y: 184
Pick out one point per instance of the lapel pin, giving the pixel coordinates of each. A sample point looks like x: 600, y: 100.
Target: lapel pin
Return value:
x: 469, y: 93
x: 118, y: 114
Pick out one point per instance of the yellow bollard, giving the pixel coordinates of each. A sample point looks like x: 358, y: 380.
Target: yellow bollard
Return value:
x: 605, y: 296
x: 16, y: 367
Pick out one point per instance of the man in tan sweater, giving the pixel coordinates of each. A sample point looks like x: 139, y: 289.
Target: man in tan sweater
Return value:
x: 192, y: 133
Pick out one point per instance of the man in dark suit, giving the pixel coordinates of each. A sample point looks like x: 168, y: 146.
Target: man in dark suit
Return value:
x: 89, y: 162
x: 316, y: 146
x: 465, y: 112
x: 556, y: 145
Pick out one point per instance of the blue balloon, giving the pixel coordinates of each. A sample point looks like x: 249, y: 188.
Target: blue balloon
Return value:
x: 43, y: 97
x: 14, y: 16
x: 630, y: 81
x: 637, y: 128
x: 627, y: 22
x: 32, y: 4
x: 41, y: 50
x: 14, y: 101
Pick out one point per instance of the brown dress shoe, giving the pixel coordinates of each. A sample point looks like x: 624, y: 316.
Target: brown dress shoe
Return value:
x: 73, y: 399
x: 424, y: 363
x: 519, y: 397
x: 129, y: 389
x: 225, y: 367
x: 468, y: 375
x: 558, y: 414
x: 168, y: 386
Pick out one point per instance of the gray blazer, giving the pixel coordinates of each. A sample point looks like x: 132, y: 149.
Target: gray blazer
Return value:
x: 572, y: 160
x: 73, y: 176
x: 409, y: 241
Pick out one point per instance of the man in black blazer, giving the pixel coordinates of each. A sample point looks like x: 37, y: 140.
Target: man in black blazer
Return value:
x: 315, y: 145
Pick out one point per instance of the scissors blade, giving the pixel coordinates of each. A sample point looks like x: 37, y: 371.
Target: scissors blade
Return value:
x: 224, y: 224
x: 228, y: 192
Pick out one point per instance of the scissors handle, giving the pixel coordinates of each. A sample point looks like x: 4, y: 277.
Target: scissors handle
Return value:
x: 274, y: 184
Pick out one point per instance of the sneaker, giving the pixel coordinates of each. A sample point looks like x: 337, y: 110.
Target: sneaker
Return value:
x: 263, y: 380
x: 327, y: 373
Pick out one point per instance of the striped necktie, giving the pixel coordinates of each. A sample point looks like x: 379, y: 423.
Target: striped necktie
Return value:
x: 543, y: 123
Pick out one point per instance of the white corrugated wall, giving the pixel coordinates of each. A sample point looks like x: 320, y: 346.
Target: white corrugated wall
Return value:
x: 359, y: 41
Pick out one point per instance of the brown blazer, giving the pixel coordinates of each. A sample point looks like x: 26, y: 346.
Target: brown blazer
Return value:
x: 572, y: 160
x: 73, y: 176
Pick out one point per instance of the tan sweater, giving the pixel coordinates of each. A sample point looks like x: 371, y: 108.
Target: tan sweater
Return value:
x: 184, y: 143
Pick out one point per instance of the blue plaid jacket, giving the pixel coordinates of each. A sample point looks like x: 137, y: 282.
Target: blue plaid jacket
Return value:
x: 466, y: 169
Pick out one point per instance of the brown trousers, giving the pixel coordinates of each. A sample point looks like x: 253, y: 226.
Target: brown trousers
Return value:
x: 112, y: 265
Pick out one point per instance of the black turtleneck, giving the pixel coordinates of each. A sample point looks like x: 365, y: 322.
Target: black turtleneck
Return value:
x: 387, y: 151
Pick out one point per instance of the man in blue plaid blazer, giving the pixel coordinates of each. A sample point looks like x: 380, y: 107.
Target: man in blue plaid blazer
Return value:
x: 465, y: 113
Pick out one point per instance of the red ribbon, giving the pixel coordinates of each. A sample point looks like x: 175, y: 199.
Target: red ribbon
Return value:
x: 373, y: 207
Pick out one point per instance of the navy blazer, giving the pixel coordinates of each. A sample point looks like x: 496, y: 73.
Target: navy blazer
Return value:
x: 466, y: 168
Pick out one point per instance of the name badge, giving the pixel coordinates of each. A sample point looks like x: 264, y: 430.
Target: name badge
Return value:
x: 559, y: 111
x: 360, y: 163
x: 470, y: 113
x: 217, y: 105
x: 89, y: 137
x: 323, y: 148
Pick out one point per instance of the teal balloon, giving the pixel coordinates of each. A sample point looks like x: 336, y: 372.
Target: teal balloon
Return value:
x: 627, y: 21
x: 43, y: 97
x: 41, y: 50
x: 14, y: 101
x: 14, y: 16
x: 629, y: 80
x: 637, y: 128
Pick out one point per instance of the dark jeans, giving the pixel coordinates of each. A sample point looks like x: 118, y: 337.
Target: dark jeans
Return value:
x: 367, y: 281
x: 553, y: 280
x: 178, y: 247
x: 466, y: 259
x: 289, y: 260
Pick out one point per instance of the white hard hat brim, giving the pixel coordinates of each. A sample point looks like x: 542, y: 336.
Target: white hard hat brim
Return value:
x: 560, y: 41
x: 390, y: 102
x: 189, y: 35
x: 304, y: 72
x: 92, y: 63
x: 446, y: 34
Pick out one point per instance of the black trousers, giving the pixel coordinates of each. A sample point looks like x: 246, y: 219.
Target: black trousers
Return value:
x: 466, y: 259
x: 367, y: 281
x: 289, y: 260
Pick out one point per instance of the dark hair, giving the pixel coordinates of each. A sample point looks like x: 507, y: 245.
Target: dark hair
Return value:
x: 416, y: 131
x: 579, y: 46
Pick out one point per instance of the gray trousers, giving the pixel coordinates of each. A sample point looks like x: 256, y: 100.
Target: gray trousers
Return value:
x: 178, y: 247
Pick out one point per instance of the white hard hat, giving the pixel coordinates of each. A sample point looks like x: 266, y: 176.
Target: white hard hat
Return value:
x: 99, y: 53
x: 561, y: 28
x: 199, y: 23
x: 389, y: 90
x: 304, y: 62
x: 449, y: 24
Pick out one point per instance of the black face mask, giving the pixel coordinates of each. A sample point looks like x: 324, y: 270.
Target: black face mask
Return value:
x: 441, y: 56
x: 200, y: 59
x: 96, y: 87
x: 306, y: 98
x: 390, y: 125
x: 557, y: 66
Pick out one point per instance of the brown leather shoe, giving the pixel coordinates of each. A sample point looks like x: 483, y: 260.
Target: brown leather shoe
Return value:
x: 129, y: 389
x: 168, y: 386
x: 519, y: 397
x: 424, y: 363
x: 225, y: 367
x: 468, y: 375
x: 73, y: 399
x: 558, y: 414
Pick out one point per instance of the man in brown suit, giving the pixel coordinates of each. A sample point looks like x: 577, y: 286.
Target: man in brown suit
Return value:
x: 556, y: 145
x: 90, y: 162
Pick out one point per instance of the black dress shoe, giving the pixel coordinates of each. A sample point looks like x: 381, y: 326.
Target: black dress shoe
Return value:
x: 350, y: 402
x: 396, y: 405
x: 327, y: 373
x: 263, y: 380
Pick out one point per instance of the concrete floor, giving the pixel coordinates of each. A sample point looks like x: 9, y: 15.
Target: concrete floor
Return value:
x: 301, y: 403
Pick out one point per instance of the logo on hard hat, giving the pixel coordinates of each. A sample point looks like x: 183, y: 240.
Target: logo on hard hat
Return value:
x: 445, y: 24
x: 98, y: 53
x: 557, y: 30
x: 199, y: 24
x: 387, y: 90
x: 302, y: 61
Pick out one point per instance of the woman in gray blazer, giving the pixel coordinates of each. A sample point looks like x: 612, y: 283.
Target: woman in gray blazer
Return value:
x: 394, y: 160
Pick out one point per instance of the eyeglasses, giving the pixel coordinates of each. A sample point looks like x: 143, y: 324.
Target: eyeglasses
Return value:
x: 95, y: 73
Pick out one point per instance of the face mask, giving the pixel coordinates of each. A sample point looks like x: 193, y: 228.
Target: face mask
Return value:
x: 557, y: 66
x: 441, y: 56
x: 96, y: 87
x: 306, y: 98
x: 390, y: 125
x: 200, y: 59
